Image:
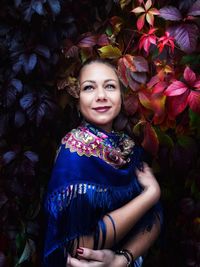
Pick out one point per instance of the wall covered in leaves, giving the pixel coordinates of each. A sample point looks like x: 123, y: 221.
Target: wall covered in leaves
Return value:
x: 155, y: 46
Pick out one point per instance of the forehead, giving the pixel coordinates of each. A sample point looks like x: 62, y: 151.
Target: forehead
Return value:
x: 98, y: 70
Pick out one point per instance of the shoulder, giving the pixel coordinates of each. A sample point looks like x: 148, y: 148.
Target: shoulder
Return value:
x: 83, y: 142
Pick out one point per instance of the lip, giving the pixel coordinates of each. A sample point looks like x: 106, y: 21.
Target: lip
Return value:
x: 102, y: 109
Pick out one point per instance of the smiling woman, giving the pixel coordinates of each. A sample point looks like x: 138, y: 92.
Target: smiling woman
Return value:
x: 101, y: 195
x: 100, y: 94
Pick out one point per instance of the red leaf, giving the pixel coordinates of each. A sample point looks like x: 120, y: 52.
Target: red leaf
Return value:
x: 176, y: 88
x: 176, y: 104
x: 88, y: 41
x: 131, y: 104
x: 150, y: 142
x: 194, y: 101
x: 122, y: 72
x: 159, y: 87
x: 128, y: 62
x: 189, y: 76
x: 103, y: 40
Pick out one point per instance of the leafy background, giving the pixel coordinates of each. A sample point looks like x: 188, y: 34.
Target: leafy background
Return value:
x: 155, y: 45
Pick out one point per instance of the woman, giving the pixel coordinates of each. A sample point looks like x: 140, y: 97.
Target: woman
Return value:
x: 99, y: 196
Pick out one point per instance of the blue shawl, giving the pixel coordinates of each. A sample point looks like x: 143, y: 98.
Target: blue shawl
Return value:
x: 90, y: 178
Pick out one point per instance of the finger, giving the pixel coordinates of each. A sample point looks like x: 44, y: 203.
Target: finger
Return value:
x: 96, y: 255
x: 73, y: 262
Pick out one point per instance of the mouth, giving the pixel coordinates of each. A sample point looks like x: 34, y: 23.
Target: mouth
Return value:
x: 102, y: 109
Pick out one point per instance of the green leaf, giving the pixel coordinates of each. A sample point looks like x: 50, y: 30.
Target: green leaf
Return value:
x: 110, y: 51
x: 28, y: 251
x: 194, y: 119
x: 190, y: 59
x: 164, y: 139
x: 186, y: 141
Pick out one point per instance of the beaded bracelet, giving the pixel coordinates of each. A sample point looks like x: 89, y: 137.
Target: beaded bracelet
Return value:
x: 127, y: 254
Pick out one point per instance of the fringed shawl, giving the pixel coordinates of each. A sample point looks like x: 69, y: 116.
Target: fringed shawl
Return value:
x: 89, y: 179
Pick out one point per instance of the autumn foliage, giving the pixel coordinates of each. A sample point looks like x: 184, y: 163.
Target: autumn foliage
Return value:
x: 155, y: 47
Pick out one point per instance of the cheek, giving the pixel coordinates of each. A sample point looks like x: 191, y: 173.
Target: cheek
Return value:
x: 83, y: 102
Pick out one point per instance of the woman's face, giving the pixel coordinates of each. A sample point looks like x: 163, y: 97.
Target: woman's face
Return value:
x: 100, y: 95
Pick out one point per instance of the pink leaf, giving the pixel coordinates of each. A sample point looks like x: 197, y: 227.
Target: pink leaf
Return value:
x: 140, y: 22
x: 138, y: 10
x: 154, y: 80
x: 148, y: 4
x: 194, y: 101
x: 197, y: 85
x: 159, y: 87
x: 176, y: 88
x: 150, y: 19
x: 154, y: 11
x: 189, y: 76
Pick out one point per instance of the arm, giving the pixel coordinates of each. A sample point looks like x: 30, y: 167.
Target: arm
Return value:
x: 128, y: 215
x: 138, y: 245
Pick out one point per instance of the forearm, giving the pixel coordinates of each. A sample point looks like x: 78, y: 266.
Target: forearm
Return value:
x: 128, y: 215
x: 124, y: 218
x: 140, y: 243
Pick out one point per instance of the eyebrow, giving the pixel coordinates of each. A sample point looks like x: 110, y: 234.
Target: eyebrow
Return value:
x: 91, y: 81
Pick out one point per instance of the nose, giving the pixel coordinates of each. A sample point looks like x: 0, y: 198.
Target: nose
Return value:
x: 101, y: 94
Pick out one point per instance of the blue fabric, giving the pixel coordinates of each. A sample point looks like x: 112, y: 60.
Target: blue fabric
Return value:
x: 82, y: 189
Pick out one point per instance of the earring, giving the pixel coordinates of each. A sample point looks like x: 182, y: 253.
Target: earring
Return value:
x: 79, y: 113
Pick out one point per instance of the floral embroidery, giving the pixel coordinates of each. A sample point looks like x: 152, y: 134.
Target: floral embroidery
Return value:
x: 89, y: 141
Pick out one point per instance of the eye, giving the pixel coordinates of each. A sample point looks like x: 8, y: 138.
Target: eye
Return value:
x: 110, y: 86
x: 88, y: 88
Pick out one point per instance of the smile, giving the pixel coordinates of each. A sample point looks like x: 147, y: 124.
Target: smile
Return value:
x: 102, y: 109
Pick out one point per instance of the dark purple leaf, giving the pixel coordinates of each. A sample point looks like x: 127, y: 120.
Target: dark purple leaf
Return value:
x: 10, y: 96
x: 2, y: 259
x: 27, y: 100
x: 28, y: 13
x: 3, y: 200
x: 139, y: 77
x: 31, y: 62
x: 55, y: 6
x: 38, y: 7
x: 40, y: 113
x: 141, y: 64
x: 184, y: 5
x: 186, y: 36
x: 3, y: 124
x: 43, y: 51
x: 195, y: 9
x: 31, y: 156
x: 18, y: 3
x: 19, y: 119
x: 9, y: 156
x: 170, y: 13
x: 17, y: 84
x: 18, y: 65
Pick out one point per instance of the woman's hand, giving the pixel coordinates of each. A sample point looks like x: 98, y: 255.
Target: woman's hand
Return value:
x: 148, y: 181
x: 97, y: 258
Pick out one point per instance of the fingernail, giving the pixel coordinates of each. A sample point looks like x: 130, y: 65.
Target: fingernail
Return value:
x: 79, y: 251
